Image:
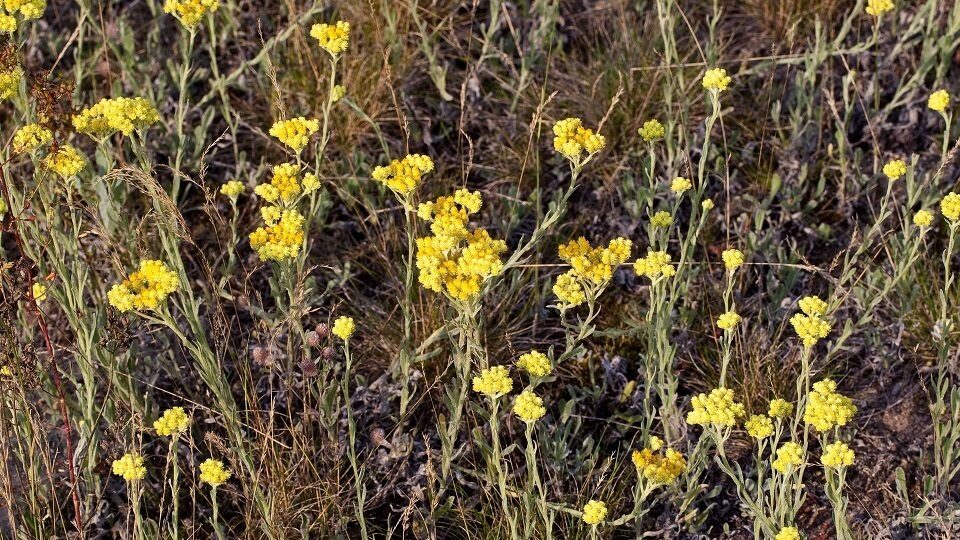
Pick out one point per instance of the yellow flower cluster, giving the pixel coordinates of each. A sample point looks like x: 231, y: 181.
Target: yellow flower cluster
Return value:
x: 826, y: 408
x: 837, y: 455
x: 590, y: 266
x: 939, y: 101
x: 759, y: 426
x: 190, y: 12
x: 66, y: 161
x: 173, y: 421
x: 130, y: 467
x: 569, y: 291
x: 344, y: 327
x: 111, y: 115
x: 809, y: 325
x: 716, y: 79
x: 285, y: 184
x: 728, y: 321
x: 281, y: 239
x: 535, y: 363
x: 144, y: 289
x: 28, y: 9
x: 878, y: 8
x: 895, y: 169
x: 30, y: 137
x: 295, y: 132
x: 788, y: 533
x: 717, y: 409
x: 39, y: 292
x: 571, y: 139
x: 654, y: 265
x: 337, y: 93
x: 659, y: 468
x: 680, y: 184
x: 594, y: 512
x: 8, y: 25
x: 661, y: 219
x: 950, y: 206
x: 780, y: 408
x: 455, y: 260
x: 652, y: 130
x: 232, y: 189
x: 333, y: 38
x: 732, y: 259
x: 213, y: 472
x: 493, y: 382
x: 707, y: 205
x: 923, y: 218
x: 529, y: 406
x: 403, y: 176
x: 10, y: 79
x: 789, y: 456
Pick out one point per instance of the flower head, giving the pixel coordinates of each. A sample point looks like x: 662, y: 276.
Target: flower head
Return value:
x: 568, y: 290
x: 788, y: 533
x: 30, y: 137
x: 190, y: 12
x: 895, y: 169
x: 810, y: 328
x: 654, y: 265
x: 759, y: 426
x: 213, y: 472
x: 39, y: 292
x: 813, y: 306
x: 10, y: 79
x: 281, y: 240
x: 595, y: 265
x: 111, y: 115
x: 789, y: 456
x: 535, y: 363
x: 130, y: 467
x: 529, y: 406
x: 837, y: 455
x: 594, y: 512
x: 716, y: 80
x: 661, y: 219
x: 657, y: 468
x: 728, y: 321
x: 923, y: 218
x: 779, y: 408
x: 825, y: 408
x: 144, y: 289
x: 652, y: 130
x: 493, y: 382
x: 344, y: 327
x: 680, y: 184
x: 571, y: 139
x: 732, y: 259
x: 950, y: 206
x: 295, y: 132
x: 403, y: 176
x: 66, y: 161
x: 878, y: 8
x: 232, y: 189
x: 174, y: 421
x: 939, y: 101
x: 718, y: 408
x: 707, y: 205
x: 333, y: 38
x: 28, y: 9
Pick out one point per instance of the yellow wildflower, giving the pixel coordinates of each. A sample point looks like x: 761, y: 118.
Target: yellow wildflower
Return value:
x: 825, y: 408
x: 29, y: 9
x: 66, y: 161
x: 661, y: 219
x: 337, y: 93
x: 939, y: 101
x: 295, y: 132
x: 759, y: 426
x: 493, y: 382
x: 344, y: 327
x: 950, y: 206
x: 788, y: 533
x: 403, y: 176
x: 732, y: 259
x: 658, y: 468
x: 895, y: 169
x: 535, y: 363
x: 333, y: 38
x: 529, y: 407
x: 111, y: 115
x: 878, y: 8
x: 310, y: 183
x: 39, y: 292
x: 789, y: 456
x: 213, y: 472
x: 130, y: 467
x: 232, y: 189
x: 680, y: 184
x: 279, y: 241
x: 173, y: 421
x: 571, y: 139
x: 810, y: 328
x: 595, y: 265
x: 30, y: 137
x: 837, y: 455
x: 923, y: 218
x: 190, y: 12
x: 652, y: 130
x: 813, y: 306
x: 8, y: 24
x: 728, y: 320
x: 780, y: 408
x: 144, y: 289
x: 594, y: 512
x: 10, y: 79
x: 654, y: 265
x: 716, y: 80
x: 717, y: 409
x: 568, y: 290
x: 707, y: 205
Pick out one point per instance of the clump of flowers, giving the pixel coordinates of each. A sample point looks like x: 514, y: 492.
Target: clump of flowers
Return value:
x: 529, y: 406
x: 813, y: 305
x: 759, y: 426
x: 66, y: 161
x: 213, y: 472
x: 130, y: 467
x: 950, y: 206
x: 286, y: 185
x: 232, y: 189
x: 788, y: 533
x: 652, y: 130
x: 939, y: 101
x: 837, y: 455
x: 10, y: 79
x: 281, y: 237
x: 779, y: 408
x: 144, y: 289
x: 894, y: 169
x: 658, y: 468
x: 493, y: 382
x: 569, y: 291
x: 718, y: 408
x: 571, y: 140
x: 594, y: 512
x: 680, y: 184
x: 112, y: 115
x: 591, y: 268
x: 403, y: 176
x: 28, y: 9
x: 825, y: 408
x: 878, y: 8
x: 655, y: 265
x: 344, y: 327
x: 295, y: 132
x: 809, y: 325
x: 923, y: 218
x: 454, y: 260
x: 662, y: 219
x: 732, y: 259
x: 173, y: 421
x: 535, y: 363
x: 333, y: 38
x: 190, y: 12
x: 39, y: 292
x: 728, y: 321
x: 716, y: 80
x: 789, y: 456
x: 30, y: 137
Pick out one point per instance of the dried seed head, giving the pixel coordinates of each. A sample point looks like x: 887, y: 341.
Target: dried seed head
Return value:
x: 262, y: 356
x: 309, y: 368
x: 328, y: 353
x: 378, y: 436
x: 323, y: 330
x: 312, y: 338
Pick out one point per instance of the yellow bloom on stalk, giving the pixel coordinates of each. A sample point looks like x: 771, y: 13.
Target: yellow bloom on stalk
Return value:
x: 144, y: 289
x: 759, y: 426
x: 284, y: 185
x: 718, y: 408
x: 279, y: 241
x: 493, y: 382
x: 310, y: 183
x: 680, y: 184
x: 813, y: 306
x: 39, y: 292
x: 190, y: 12
x: 130, y: 467
x: 173, y: 421
x: 894, y: 169
x: 8, y: 24
x: 659, y: 469
x: 213, y: 472
x: 878, y: 8
x: 30, y: 137
x: 594, y: 512
x: 29, y: 9
x: 295, y: 132
x: 571, y: 139
x: 716, y: 80
x: 788, y: 533
x: 950, y: 206
x: 652, y: 130
x: 337, y: 93
x: 825, y: 408
x: 837, y: 455
x: 707, y: 205
x: 939, y: 101
x: 661, y: 219
x: 780, y: 408
x: 568, y: 290
x: 232, y: 189
x: 529, y: 406
x: 923, y: 218
x: 595, y: 265
x: 654, y: 265
x: 10, y: 79
x: 732, y: 259
x: 344, y: 327
x: 728, y: 321
x: 403, y: 176
x: 333, y: 38
x: 810, y: 327
x: 66, y: 161
x: 3, y: 207
x: 789, y: 456
x: 271, y: 214
x: 535, y: 363
x: 111, y: 115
